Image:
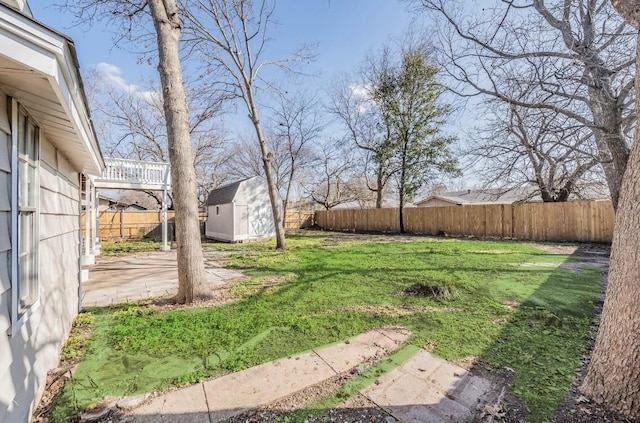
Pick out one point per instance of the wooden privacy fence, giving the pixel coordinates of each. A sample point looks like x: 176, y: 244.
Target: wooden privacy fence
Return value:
x: 294, y: 220
x: 574, y: 221
x: 129, y: 224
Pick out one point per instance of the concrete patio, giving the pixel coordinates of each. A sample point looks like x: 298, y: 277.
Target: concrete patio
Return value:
x: 142, y: 276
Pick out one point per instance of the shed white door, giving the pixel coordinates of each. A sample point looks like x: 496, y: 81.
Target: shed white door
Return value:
x: 258, y: 220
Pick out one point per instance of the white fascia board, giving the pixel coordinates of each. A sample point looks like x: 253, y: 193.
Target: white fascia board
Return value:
x: 31, y: 32
x: 73, y: 104
x: 30, y: 56
x: 48, y: 53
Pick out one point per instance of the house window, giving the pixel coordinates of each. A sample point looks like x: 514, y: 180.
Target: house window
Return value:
x: 27, y: 136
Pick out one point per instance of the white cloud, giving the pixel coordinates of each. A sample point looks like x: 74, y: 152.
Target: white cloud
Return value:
x: 360, y: 91
x: 362, y: 96
x: 112, y: 75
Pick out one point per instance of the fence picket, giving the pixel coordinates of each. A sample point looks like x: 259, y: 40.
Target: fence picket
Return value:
x: 573, y: 221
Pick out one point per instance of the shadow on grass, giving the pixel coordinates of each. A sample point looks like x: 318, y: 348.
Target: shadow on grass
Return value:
x: 540, y: 348
x: 535, y: 355
x: 541, y: 341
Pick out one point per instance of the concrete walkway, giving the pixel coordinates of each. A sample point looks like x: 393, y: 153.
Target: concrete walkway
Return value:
x: 428, y: 389
x: 423, y: 389
x: 141, y: 276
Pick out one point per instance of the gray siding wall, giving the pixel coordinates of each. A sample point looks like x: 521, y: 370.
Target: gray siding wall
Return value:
x: 26, y: 357
x: 220, y: 226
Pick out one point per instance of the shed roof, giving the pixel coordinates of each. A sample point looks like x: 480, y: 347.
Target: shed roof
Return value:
x: 225, y: 194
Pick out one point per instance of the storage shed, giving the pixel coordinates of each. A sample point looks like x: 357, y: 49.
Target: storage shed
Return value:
x: 240, y: 211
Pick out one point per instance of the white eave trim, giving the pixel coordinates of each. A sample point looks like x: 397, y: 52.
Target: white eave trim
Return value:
x: 52, y: 59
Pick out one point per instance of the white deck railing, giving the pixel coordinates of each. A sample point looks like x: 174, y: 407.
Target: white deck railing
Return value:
x: 136, y: 172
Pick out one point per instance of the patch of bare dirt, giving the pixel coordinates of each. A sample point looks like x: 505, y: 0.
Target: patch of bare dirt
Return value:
x: 390, y: 237
x: 500, y: 405
x: 233, y: 290
x: 220, y: 295
x: 491, y: 251
x: 557, y: 248
x: 389, y: 310
x: 56, y: 378
x: 428, y: 290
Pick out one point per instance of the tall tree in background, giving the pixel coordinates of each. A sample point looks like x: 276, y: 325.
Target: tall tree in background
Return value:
x: 231, y: 37
x: 168, y: 27
x: 613, y: 375
x: 293, y: 126
x: 355, y: 109
x: 407, y: 94
x: 572, y: 57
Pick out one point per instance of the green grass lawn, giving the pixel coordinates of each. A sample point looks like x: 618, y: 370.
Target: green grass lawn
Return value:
x: 335, y: 289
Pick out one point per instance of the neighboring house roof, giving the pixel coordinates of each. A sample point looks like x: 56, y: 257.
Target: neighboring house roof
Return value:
x: 225, y: 194
x: 115, y: 204
x: 489, y: 196
x: 370, y: 205
x: 136, y: 206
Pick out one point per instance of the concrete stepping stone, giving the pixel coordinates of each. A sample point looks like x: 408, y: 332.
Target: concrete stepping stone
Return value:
x: 187, y: 405
x: 346, y: 355
x: 428, y: 389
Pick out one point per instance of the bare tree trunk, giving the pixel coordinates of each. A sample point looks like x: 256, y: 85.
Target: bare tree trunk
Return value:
x: 613, y: 376
x: 281, y: 243
x: 610, y: 141
x: 401, y: 190
x: 285, y: 204
x: 191, y: 274
x: 379, y: 189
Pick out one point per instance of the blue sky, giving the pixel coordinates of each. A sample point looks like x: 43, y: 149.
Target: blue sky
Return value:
x: 344, y: 31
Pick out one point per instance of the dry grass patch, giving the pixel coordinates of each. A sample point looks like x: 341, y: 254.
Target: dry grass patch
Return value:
x: 388, y: 310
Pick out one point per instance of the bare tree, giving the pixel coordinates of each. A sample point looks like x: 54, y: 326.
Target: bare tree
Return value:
x: 165, y: 18
x: 535, y: 147
x: 191, y: 275
x: 352, y: 104
x: 296, y: 124
x: 293, y: 125
x: 245, y: 159
x: 133, y: 126
x: 613, y: 375
x: 231, y: 36
x: 573, y: 57
x: 333, y: 176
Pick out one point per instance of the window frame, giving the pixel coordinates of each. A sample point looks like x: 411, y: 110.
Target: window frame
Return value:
x: 19, y: 314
